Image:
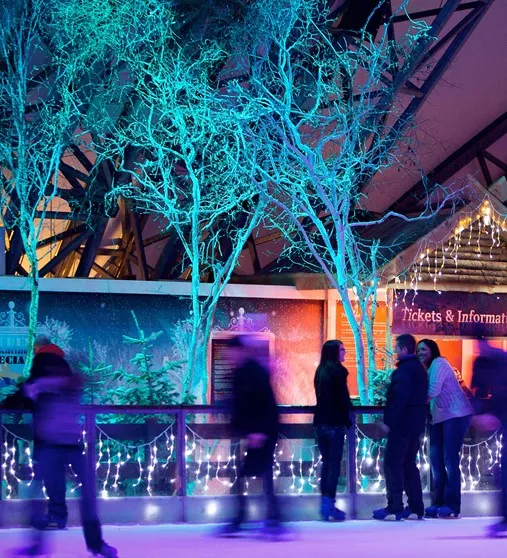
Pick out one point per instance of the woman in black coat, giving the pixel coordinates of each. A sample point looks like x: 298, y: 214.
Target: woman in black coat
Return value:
x: 331, y: 421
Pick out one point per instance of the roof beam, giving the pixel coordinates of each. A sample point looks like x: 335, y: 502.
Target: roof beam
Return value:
x: 455, y: 162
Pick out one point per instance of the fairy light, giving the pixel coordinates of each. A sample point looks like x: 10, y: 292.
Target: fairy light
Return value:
x: 358, y: 482
x: 99, y: 458
x: 140, y: 477
x: 301, y: 477
x: 291, y: 467
x: 119, y: 463
x: 489, y: 227
x: 30, y: 464
x: 208, y: 469
x: 170, y: 449
x: 4, y: 470
x: 105, y: 493
x: 152, y: 466
x: 476, y: 459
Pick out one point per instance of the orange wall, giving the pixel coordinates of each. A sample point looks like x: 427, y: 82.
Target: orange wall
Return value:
x: 344, y: 334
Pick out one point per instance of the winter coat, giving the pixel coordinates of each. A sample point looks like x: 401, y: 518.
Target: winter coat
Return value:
x: 333, y: 399
x: 56, y: 409
x: 254, y: 411
x: 254, y: 408
x: 407, y: 396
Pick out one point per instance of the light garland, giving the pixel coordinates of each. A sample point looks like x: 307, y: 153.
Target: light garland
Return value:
x: 205, y: 463
x: 124, y: 453
x: 202, y: 467
x: 486, y: 222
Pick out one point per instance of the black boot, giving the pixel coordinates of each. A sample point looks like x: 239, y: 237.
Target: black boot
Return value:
x: 105, y: 551
x: 328, y: 511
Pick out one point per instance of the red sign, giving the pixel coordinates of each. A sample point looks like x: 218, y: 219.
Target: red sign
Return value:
x: 452, y: 313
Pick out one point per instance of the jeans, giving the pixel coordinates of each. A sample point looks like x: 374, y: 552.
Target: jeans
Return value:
x: 56, y: 486
x: 273, y: 509
x: 445, y: 450
x: 330, y: 440
x: 50, y: 468
x: 401, y: 472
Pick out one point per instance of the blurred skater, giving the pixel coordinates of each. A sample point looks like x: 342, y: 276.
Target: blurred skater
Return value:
x: 255, y: 419
x: 55, y: 392
x: 489, y: 382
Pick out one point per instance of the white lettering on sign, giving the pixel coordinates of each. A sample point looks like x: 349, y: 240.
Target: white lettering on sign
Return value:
x: 472, y: 317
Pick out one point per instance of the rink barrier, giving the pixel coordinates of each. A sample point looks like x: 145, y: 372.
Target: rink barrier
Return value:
x: 184, y: 508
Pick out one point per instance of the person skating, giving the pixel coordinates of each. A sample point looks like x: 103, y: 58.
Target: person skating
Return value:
x: 46, y: 355
x: 489, y: 382
x: 404, y: 422
x: 255, y: 419
x: 331, y: 422
x: 55, y: 392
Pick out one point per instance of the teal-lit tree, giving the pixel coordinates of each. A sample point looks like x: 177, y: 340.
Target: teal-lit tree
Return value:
x: 192, y: 172
x: 322, y: 124
x: 51, y: 64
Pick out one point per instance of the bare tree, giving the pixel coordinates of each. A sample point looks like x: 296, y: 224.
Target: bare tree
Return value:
x: 323, y: 108
x: 55, y: 57
x: 193, y: 170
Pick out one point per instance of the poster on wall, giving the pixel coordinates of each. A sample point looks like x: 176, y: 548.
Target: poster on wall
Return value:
x: 451, y: 313
x: 222, y: 366
x: 101, y: 334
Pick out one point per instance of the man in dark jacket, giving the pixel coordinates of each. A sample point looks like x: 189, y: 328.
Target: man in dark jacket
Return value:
x: 404, y: 421
x: 53, y: 393
x: 254, y: 418
x: 489, y: 382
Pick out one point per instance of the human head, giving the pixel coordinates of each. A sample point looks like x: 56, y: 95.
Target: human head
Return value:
x: 427, y: 351
x: 332, y: 351
x: 41, y: 341
x: 405, y: 346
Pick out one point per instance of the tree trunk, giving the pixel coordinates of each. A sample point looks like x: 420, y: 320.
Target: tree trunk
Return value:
x: 33, y: 277
x: 356, y: 331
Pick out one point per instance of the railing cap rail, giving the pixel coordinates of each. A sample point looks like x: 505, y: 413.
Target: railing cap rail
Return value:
x: 189, y: 409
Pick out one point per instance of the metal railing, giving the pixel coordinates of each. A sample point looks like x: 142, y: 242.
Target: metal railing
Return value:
x: 362, y: 437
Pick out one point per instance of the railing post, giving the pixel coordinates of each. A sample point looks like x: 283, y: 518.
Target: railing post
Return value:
x: 91, y: 451
x: 181, y: 460
x: 351, y: 466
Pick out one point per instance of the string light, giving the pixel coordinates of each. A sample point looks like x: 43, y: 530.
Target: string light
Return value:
x: 476, y: 460
x: 486, y: 222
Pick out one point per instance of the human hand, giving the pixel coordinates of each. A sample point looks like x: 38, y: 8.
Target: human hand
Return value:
x: 31, y: 390
x: 383, y: 426
x: 256, y: 440
x: 485, y: 422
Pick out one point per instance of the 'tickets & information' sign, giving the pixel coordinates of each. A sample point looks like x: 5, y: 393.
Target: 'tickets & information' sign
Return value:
x: 451, y: 313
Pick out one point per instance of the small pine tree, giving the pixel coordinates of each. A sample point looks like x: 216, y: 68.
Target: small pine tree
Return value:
x: 147, y: 385
x: 95, y: 378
